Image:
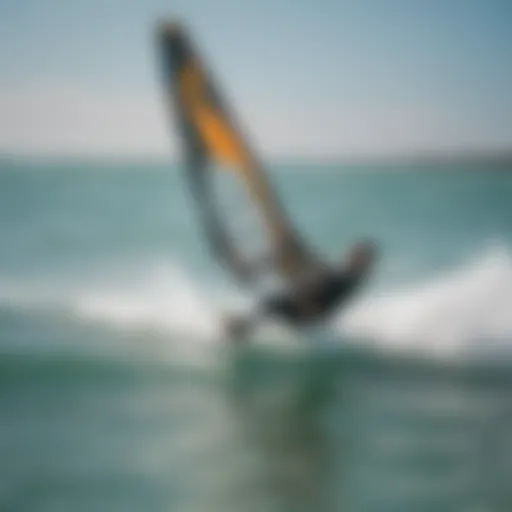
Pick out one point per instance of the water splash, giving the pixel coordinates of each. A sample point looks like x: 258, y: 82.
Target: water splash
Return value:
x: 466, y: 310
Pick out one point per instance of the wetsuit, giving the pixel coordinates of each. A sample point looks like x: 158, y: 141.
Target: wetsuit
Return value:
x: 310, y: 300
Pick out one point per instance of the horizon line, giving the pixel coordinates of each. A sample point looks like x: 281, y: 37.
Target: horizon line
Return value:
x: 448, y: 155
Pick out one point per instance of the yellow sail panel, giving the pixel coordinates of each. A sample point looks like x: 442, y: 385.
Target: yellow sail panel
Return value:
x: 222, y: 142
x: 219, y: 137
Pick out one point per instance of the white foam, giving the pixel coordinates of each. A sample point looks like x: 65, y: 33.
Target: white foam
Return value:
x: 154, y: 298
x: 165, y: 299
x: 468, y: 309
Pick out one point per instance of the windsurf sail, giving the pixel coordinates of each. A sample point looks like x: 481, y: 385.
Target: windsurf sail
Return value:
x: 239, y: 210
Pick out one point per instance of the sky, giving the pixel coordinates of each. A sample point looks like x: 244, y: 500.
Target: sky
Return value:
x: 320, y: 78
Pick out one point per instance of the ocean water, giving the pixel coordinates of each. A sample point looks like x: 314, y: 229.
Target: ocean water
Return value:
x: 118, y: 392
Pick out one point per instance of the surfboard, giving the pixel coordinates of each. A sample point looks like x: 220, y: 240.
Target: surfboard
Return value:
x: 242, y: 218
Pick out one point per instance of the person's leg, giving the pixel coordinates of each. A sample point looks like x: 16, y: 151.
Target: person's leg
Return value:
x: 278, y: 306
x: 239, y: 327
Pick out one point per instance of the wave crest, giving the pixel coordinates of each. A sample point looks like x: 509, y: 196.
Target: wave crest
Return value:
x: 468, y: 309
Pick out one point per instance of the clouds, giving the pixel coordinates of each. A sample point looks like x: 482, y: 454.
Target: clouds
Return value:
x: 71, y: 119
x: 53, y: 118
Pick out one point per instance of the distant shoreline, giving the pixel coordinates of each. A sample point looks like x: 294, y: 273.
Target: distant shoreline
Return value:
x: 467, y: 158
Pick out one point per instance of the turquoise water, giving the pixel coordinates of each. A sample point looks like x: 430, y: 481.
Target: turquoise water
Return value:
x: 117, y: 392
